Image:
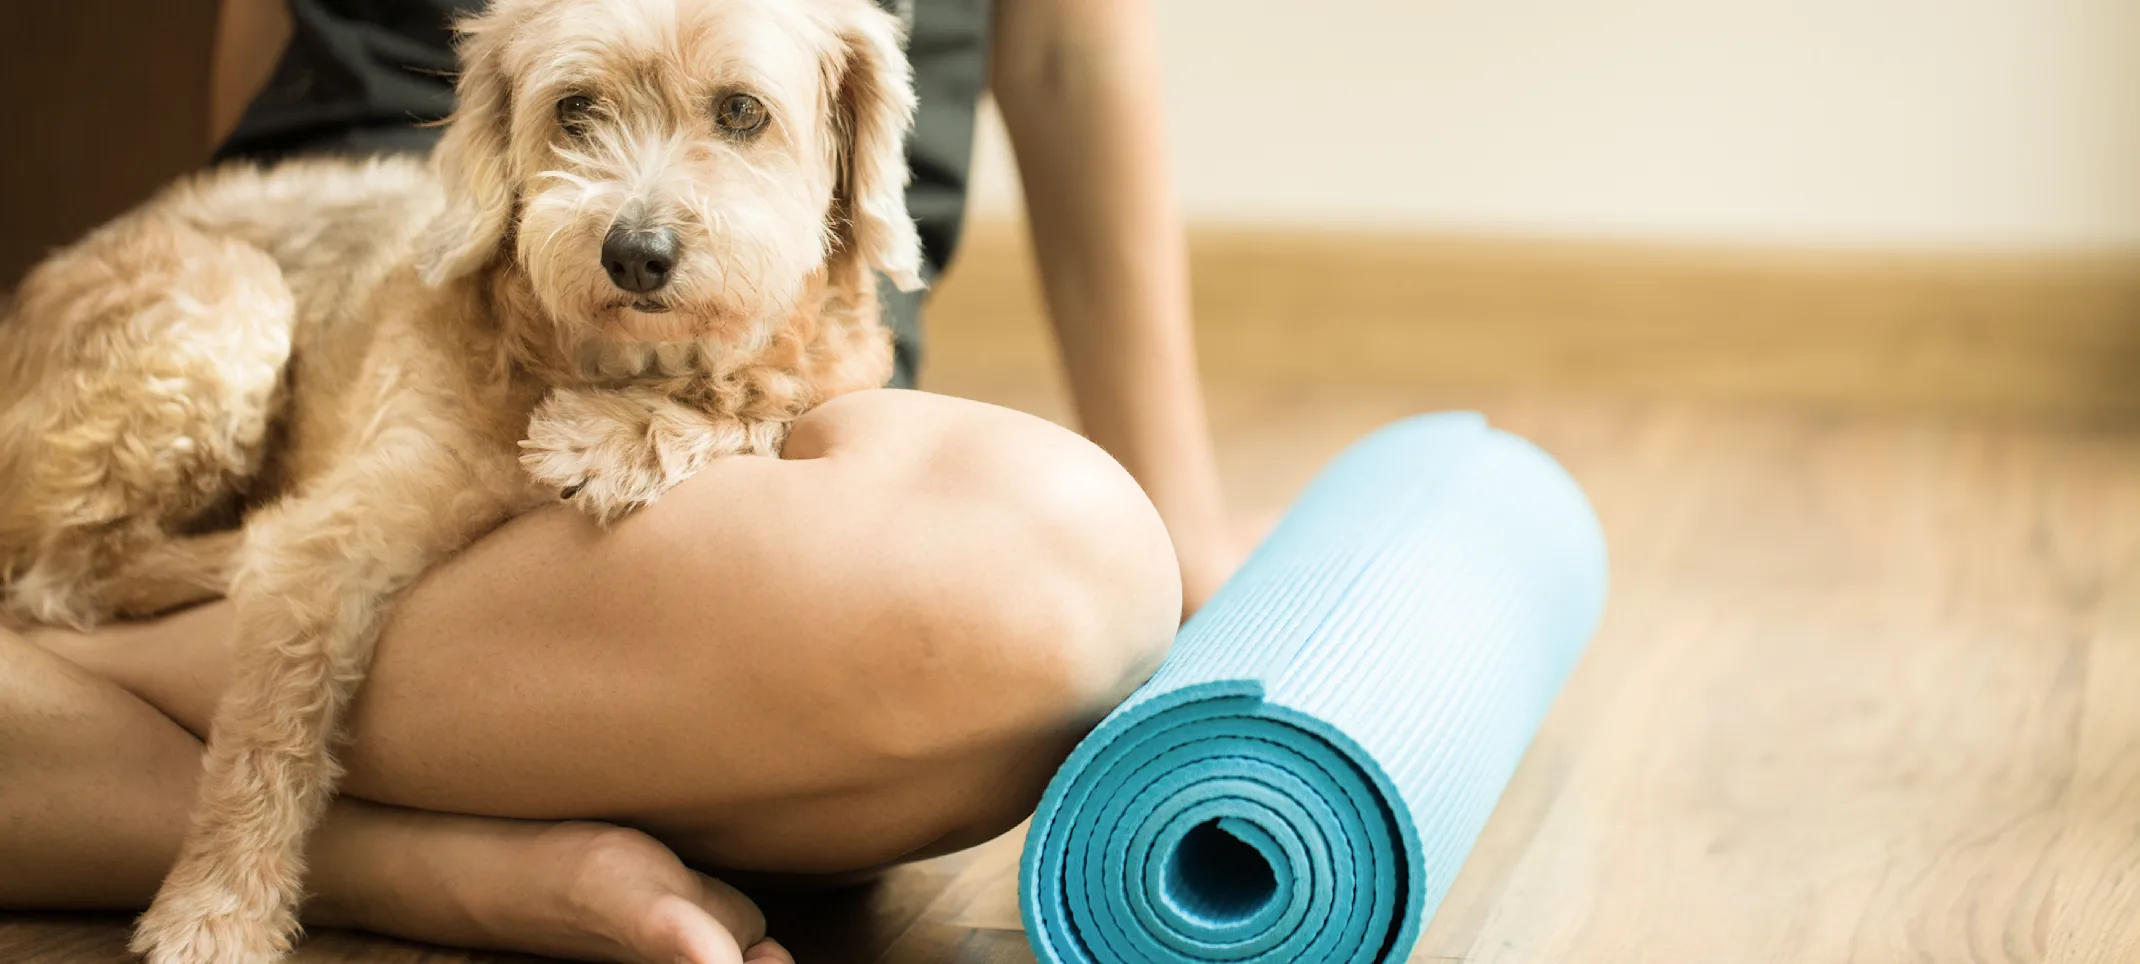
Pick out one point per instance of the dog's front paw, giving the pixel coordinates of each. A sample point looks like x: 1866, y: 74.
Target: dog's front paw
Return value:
x: 201, y: 923
x: 596, y: 478
x: 608, y: 496
x: 609, y: 453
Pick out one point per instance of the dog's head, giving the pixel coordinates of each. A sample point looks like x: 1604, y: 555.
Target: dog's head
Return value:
x: 669, y: 169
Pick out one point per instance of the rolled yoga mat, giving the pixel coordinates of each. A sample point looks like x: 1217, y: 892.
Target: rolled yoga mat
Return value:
x: 1302, y: 779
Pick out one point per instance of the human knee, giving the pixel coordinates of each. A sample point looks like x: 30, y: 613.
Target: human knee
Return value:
x: 1060, y: 596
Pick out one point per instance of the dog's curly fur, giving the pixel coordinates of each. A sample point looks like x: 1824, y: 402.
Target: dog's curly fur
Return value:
x: 305, y: 385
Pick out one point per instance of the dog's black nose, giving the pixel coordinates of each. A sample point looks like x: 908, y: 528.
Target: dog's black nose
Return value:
x: 638, y: 260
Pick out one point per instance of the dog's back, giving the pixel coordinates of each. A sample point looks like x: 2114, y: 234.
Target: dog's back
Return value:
x: 144, y: 373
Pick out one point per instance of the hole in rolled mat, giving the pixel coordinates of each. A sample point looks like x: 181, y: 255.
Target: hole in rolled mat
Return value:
x: 1217, y: 876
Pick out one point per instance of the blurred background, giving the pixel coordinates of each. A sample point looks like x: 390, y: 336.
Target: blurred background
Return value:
x: 1795, y: 198
x: 1833, y: 306
x: 1883, y: 207
x: 1920, y: 204
x: 1920, y: 123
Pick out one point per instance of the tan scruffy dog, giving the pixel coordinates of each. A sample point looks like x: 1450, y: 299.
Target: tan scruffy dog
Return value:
x: 646, y: 241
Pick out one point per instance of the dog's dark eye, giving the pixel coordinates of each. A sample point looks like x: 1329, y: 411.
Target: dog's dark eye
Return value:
x: 740, y: 114
x: 573, y: 112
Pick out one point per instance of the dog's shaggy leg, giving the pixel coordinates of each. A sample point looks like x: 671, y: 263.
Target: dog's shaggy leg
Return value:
x: 610, y: 451
x: 313, y: 586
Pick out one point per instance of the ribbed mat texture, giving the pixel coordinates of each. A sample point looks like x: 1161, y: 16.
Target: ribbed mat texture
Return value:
x: 1303, y: 778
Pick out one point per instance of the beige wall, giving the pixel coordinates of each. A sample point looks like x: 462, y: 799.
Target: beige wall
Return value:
x: 1922, y: 123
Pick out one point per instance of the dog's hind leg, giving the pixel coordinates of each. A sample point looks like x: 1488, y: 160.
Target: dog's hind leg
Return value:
x: 139, y: 375
x: 170, y: 574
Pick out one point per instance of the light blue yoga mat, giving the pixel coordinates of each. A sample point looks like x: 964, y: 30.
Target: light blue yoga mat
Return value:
x: 1303, y: 778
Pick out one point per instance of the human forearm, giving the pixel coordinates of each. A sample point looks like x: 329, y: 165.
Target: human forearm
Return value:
x: 1077, y: 83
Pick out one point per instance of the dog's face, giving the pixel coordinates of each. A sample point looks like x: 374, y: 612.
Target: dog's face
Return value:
x: 670, y: 169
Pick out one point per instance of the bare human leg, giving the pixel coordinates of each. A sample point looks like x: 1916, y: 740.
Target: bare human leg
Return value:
x: 873, y: 649
x: 100, y: 807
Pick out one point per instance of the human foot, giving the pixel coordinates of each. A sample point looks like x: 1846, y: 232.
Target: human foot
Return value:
x: 582, y: 891
x: 632, y: 892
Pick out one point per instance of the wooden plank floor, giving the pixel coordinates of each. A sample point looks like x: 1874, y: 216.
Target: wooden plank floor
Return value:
x: 1868, y: 690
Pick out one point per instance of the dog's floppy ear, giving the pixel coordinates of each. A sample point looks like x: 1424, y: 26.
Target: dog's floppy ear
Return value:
x: 874, y: 108
x: 472, y: 160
